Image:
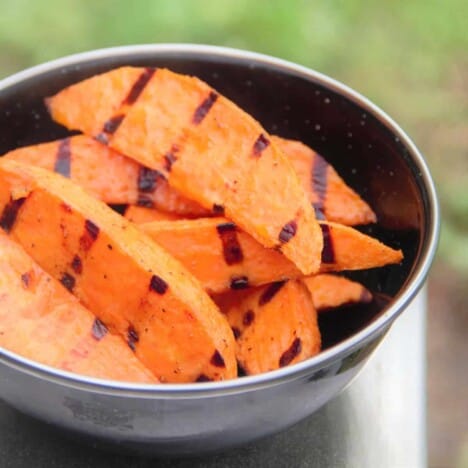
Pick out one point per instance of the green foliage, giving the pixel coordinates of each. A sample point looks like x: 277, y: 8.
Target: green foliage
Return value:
x: 407, y: 56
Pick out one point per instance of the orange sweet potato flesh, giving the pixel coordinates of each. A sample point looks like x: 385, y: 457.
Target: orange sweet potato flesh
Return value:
x: 132, y: 285
x: 330, y: 291
x: 210, y: 150
x: 107, y: 174
x: 42, y: 321
x: 327, y: 191
x: 140, y: 214
x: 224, y: 257
x: 275, y: 326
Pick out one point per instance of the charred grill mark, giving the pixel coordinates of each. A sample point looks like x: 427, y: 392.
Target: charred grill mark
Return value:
x: 89, y: 236
x: 248, y: 317
x: 319, y: 214
x: 270, y: 292
x: 319, y: 184
x: 171, y: 157
x: 217, y: 360
x: 218, y: 209
x: 203, y: 378
x: 148, y: 179
x: 26, y: 279
x: 98, y: 330
x: 260, y: 145
x: 111, y: 126
x: 102, y: 138
x: 236, y: 332
x: 232, y: 250
x: 239, y: 282
x: 291, y: 353
x: 132, y: 337
x: 158, y: 285
x: 328, y: 252
x: 10, y: 213
x: 202, y: 110
x: 63, y: 159
x: 77, y: 265
x: 288, y: 231
x: 144, y: 201
x: 139, y: 86
x: 68, y: 281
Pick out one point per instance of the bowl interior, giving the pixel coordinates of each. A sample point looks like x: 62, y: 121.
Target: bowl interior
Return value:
x: 369, y: 156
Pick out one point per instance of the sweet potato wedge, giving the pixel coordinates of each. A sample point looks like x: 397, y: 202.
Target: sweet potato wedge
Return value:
x: 210, y: 150
x: 224, y: 257
x: 327, y: 191
x: 41, y: 321
x: 330, y: 291
x: 131, y: 284
x: 275, y: 326
x: 140, y: 215
x: 107, y: 174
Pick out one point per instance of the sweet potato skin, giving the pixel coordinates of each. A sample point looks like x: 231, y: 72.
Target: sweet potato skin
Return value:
x: 275, y: 325
x: 327, y: 191
x: 58, y: 222
x: 174, y: 121
x: 41, y: 321
x: 108, y: 175
x: 198, y: 244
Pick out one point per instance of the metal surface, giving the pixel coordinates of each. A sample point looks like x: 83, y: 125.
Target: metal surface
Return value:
x: 196, y: 418
x: 378, y: 421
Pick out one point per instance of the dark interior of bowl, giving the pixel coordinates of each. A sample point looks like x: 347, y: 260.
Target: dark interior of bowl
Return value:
x: 367, y: 155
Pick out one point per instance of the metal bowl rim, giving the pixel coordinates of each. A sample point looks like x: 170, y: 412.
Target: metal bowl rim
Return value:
x: 309, y: 366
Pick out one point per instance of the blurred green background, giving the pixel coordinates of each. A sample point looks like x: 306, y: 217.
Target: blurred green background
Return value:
x: 409, y: 57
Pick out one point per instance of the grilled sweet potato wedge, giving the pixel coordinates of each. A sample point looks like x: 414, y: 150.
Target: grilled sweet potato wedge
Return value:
x: 210, y: 150
x: 330, y: 291
x: 131, y: 284
x: 224, y: 257
x: 107, y: 174
x: 140, y: 215
x: 275, y: 325
x: 328, y: 192
x: 40, y: 320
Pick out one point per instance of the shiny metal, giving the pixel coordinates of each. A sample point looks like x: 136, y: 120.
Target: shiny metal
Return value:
x: 195, y: 418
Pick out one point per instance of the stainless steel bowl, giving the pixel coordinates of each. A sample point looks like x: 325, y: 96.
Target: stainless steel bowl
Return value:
x: 371, y: 152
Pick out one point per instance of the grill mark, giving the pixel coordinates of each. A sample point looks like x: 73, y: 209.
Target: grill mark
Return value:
x: 218, y: 209
x: 288, y: 231
x: 202, y: 110
x: 68, y: 281
x: 270, y: 292
x: 144, y: 201
x: 291, y: 352
x: 63, y: 158
x: 111, y: 126
x: 139, y: 86
x: 132, y: 337
x: 10, y: 213
x: 148, y: 179
x: 89, y: 236
x: 260, y: 145
x: 170, y: 157
x: 248, y: 317
x: 328, y: 252
x: 319, y: 182
x: 26, y: 279
x: 232, y: 251
x: 217, y: 360
x: 239, y: 282
x: 158, y: 285
x: 236, y: 332
x: 203, y: 378
x: 98, y: 330
x: 77, y: 265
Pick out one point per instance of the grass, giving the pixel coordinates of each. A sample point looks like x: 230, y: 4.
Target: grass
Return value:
x: 409, y: 57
